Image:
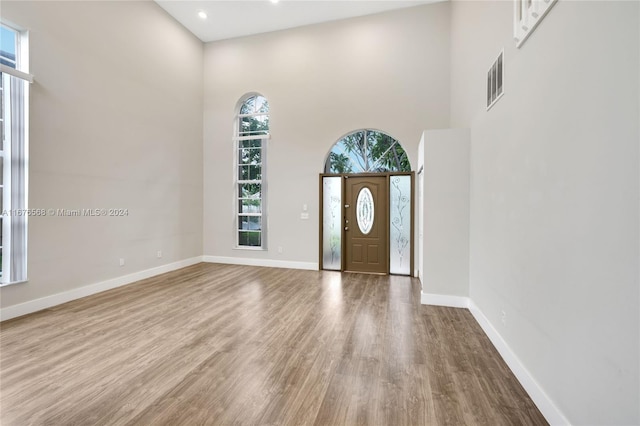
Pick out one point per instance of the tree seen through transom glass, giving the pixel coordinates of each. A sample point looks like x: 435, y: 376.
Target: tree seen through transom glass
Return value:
x: 367, y: 151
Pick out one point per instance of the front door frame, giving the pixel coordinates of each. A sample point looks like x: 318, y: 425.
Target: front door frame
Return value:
x: 344, y: 176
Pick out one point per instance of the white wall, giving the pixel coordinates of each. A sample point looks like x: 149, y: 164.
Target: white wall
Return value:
x: 388, y: 71
x: 116, y: 122
x: 554, y: 196
x: 445, y: 257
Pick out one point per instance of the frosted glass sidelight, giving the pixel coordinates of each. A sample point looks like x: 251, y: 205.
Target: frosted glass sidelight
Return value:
x: 400, y: 225
x: 365, y: 210
x: 332, y: 223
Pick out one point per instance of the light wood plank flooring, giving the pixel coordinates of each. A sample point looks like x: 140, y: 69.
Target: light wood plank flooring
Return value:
x: 223, y: 344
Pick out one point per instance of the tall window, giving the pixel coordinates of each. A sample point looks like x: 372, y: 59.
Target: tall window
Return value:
x: 251, y: 146
x: 14, y: 95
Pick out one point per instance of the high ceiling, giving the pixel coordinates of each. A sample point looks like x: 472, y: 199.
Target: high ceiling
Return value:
x: 237, y: 18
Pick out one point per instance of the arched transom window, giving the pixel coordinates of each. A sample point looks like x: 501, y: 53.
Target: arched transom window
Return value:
x: 367, y: 151
x: 252, y: 133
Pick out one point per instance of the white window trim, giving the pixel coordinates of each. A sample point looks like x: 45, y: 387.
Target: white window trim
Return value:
x: 263, y: 191
x: 6, y: 184
x: 527, y: 15
x: 9, y: 276
x: 247, y: 138
x: 264, y: 138
x: 253, y: 114
x: 16, y: 73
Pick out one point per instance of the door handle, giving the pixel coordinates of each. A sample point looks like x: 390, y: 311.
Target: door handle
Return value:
x: 346, y: 228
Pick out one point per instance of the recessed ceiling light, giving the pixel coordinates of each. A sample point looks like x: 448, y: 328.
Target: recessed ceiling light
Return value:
x: 202, y: 14
x: 274, y: 1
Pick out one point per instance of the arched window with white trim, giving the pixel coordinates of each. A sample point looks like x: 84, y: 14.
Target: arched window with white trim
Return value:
x: 252, y: 134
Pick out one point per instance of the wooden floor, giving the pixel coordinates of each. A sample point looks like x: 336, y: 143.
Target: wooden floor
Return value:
x: 222, y: 344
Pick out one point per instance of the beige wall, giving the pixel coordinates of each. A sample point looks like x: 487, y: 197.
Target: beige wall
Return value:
x: 445, y: 196
x: 554, y: 196
x: 387, y: 71
x: 116, y: 122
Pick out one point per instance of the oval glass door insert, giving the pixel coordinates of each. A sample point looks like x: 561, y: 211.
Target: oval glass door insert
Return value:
x: 364, y: 210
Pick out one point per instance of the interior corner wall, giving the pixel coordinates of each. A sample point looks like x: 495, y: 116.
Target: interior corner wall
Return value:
x: 554, y: 196
x: 445, y: 217
x: 388, y: 71
x: 115, y: 123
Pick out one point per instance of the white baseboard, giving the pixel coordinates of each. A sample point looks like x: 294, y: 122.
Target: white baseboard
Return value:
x: 80, y: 292
x: 546, y: 406
x: 313, y: 266
x: 88, y: 290
x: 444, y: 300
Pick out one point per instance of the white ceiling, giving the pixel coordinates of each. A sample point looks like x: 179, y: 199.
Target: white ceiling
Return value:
x: 237, y: 18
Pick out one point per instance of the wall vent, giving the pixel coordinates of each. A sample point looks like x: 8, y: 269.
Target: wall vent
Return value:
x: 495, y: 81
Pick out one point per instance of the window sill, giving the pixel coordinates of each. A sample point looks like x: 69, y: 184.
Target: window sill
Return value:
x: 250, y: 248
x: 13, y: 283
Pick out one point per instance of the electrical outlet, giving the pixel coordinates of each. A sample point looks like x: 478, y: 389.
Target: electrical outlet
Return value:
x: 503, y: 317
x: 121, y: 262
x: 159, y: 254
x: 280, y: 249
